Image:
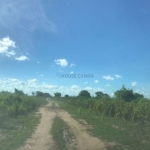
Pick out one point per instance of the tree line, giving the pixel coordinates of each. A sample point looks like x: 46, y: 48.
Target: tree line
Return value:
x: 124, y: 94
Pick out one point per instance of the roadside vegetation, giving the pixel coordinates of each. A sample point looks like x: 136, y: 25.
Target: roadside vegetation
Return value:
x: 123, y: 119
x: 17, y: 118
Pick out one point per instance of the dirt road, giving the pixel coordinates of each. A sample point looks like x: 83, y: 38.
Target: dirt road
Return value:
x: 42, y: 140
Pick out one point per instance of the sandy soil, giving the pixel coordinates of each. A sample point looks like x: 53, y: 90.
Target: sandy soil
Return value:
x: 42, y: 140
x: 83, y: 140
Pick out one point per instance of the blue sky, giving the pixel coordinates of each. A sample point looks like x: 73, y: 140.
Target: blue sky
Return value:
x: 106, y: 39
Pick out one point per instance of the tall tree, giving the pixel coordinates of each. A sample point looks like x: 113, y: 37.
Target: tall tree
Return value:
x: 19, y: 92
x: 39, y: 93
x: 99, y: 94
x: 124, y: 94
x: 57, y: 94
x: 138, y: 96
x: 84, y: 93
x: 66, y: 96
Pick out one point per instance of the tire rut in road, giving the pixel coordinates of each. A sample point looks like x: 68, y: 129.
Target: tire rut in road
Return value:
x: 83, y: 140
x: 43, y: 140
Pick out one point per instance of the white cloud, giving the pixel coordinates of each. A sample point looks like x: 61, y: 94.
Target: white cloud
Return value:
x: 112, y: 94
x: 9, y: 84
x: 75, y: 87
x: 14, y: 81
x: 32, y: 81
x: 108, y: 85
x: 7, y: 42
x: 108, y: 77
x: 21, y: 58
x: 96, y: 81
x: 100, y: 89
x: 72, y: 72
x: 88, y: 88
x: 118, y: 76
x: 23, y: 18
x: 61, y: 62
x: 133, y: 83
x: 144, y: 93
x: 93, y: 90
x: 6, y: 47
x: 72, y: 65
x: 137, y: 90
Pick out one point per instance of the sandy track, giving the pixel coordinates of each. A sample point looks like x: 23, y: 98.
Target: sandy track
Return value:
x: 42, y: 140
x: 83, y: 140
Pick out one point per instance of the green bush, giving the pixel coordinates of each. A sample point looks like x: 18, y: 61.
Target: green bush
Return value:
x: 16, y: 104
x: 136, y: 111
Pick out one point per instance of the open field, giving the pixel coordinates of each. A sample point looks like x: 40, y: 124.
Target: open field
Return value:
x: 119, y: 133
x: 68, y: 125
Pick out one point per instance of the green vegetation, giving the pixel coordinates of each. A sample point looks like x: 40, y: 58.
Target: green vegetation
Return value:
x: 126, y: 105
x: 127, y: 94
x: 57, y: 95
x: 84, y: 93
x: 125, y: 134
x: 17, y: 118
x: 41, y: 94
x: 61, y: 133
x: 15, y: 130
x: 137, y: 112
x: 123, y: 119
x: 15, y: 104
x: 66, y: 96
x: 101, y: 94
